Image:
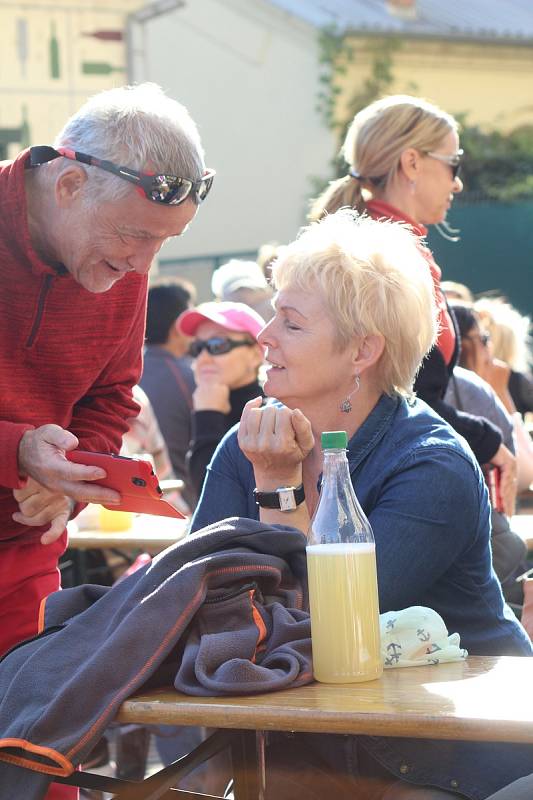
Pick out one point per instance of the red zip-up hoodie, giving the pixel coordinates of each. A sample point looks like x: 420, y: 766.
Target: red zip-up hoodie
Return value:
x: 67, y: 356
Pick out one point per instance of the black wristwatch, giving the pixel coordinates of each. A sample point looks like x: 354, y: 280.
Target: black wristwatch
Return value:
x: 286, y: 498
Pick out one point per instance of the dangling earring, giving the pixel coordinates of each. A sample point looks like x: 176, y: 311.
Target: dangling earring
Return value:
x: 412, y: 186
x: 346, y: 405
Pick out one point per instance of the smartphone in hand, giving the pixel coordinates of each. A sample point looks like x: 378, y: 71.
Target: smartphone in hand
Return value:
x: 133, y: 478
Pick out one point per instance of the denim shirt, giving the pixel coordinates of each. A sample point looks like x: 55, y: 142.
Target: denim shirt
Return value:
x: 426, y: 499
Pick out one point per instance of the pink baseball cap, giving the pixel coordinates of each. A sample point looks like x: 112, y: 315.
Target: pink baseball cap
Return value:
x: 236, y: 317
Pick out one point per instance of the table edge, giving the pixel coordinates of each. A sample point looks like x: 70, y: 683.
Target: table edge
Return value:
x: 417, y: 726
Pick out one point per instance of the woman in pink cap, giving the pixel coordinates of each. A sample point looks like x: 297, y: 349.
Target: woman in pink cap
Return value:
x: 227, y: 358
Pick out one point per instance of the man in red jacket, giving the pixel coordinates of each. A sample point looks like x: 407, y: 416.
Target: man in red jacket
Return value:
x: 80, y: 224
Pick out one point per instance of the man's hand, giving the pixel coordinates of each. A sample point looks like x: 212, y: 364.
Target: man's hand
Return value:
x: 41, y: 456
x: 505, y: 460
x: 276, y: 440
x: 38, y: 506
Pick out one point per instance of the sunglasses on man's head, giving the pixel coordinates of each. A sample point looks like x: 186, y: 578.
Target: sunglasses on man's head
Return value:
x: 453, y: 161
x: 170, y: 190
x: 217, y: 345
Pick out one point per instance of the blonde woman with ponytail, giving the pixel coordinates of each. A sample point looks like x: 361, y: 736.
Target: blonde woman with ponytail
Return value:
x: 403, y: 157
x: 391, y: 147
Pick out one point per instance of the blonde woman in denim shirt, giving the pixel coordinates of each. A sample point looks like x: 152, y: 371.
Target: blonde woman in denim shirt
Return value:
x: 354, y: 316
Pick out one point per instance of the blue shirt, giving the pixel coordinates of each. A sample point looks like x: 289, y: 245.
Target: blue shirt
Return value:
x: 426, y: 499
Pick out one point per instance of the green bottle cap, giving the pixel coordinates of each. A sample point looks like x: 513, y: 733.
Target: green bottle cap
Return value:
x: 334, y: 440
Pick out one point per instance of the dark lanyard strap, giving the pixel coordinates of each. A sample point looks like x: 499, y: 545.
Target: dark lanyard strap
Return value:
x: 180, y: 380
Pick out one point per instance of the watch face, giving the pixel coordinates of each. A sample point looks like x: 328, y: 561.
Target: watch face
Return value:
x: 287, y: 500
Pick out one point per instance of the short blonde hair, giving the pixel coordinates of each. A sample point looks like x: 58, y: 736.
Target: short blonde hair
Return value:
x: 509, y: 331
x: 375, y: 141
x: 373, y: 280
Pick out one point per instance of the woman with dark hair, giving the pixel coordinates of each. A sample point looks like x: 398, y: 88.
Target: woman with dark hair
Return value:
x: 477, y: 356
x: 167, y: 376
x: 469, y: 391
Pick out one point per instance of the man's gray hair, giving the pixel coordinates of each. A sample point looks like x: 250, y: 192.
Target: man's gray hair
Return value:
x: 137, y: 127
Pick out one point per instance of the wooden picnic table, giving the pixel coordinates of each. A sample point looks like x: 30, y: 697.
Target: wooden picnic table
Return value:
x: 480, y: 699
x: 148, y: 533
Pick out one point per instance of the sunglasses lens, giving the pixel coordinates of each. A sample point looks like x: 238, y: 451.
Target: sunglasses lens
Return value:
x: 218, y: 346
x: 204, y: 188
x: 169, y: 189
x: 172, y: 190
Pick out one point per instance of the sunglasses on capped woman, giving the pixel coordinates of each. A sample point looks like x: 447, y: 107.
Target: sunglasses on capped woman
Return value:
x: 170, y: 190
x: 217, y: 345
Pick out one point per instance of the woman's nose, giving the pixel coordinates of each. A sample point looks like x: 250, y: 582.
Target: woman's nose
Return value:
x: 203, y: 355
x: 457, y: 185
x: 265, y: 336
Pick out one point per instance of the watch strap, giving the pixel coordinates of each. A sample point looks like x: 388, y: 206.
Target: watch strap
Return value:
x: 286, y: 498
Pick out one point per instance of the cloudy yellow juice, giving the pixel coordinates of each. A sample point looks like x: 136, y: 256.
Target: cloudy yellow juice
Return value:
x: 343, y: 598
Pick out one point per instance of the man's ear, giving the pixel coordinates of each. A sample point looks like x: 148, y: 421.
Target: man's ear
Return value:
x: 369, y: 352
x: 410, y: 161
x: 69, y: 185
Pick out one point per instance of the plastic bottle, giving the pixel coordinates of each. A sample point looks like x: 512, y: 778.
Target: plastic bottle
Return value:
x: 341, y: 564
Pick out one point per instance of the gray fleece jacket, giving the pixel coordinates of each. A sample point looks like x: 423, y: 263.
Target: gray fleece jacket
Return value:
x: 219, y: 613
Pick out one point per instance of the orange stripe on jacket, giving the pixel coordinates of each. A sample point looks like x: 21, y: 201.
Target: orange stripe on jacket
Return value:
x: 260, y: 625
x: 40, y: 621
x: 64, y: 769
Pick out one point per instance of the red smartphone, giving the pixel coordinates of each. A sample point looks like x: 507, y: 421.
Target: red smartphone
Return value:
x: 134, y: 478
x: 492, y: 479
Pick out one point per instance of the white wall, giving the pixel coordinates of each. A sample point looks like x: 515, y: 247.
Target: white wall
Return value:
x: 248, y: 74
